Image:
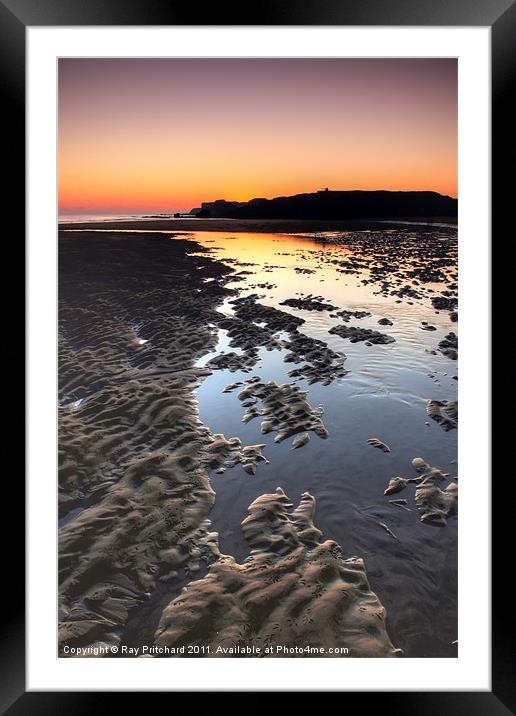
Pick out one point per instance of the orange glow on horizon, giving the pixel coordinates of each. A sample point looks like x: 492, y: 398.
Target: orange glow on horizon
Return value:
x: 128, y: 145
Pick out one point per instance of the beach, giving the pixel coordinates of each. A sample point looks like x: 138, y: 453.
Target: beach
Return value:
x: 289, y: 226
x: 258, y: 438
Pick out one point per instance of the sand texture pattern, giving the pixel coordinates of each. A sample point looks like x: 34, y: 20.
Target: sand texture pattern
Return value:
x: 133, y: 453
x: 135, y: 315
x: 435, y: 505
x: 292, y: 591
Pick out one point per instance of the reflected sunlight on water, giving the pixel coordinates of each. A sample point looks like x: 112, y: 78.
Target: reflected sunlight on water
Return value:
x: 384, y: 395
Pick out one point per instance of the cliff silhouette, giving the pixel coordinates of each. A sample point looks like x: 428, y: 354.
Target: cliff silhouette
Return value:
x: 328, y: 204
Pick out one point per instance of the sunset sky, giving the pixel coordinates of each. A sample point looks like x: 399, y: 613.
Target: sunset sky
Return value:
x: 160, y: 135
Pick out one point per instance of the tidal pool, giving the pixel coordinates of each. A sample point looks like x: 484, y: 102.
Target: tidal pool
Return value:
x: 412, y: 566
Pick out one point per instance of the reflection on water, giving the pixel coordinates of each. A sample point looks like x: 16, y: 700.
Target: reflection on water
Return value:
x: 384, y: 395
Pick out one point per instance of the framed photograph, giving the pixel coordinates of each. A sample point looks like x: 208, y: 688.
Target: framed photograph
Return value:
x: 250, y: 245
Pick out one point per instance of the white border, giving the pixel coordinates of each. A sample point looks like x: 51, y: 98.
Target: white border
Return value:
x: 471, y: 670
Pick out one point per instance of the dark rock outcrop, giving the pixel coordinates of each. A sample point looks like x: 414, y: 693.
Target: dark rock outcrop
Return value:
x: 338, y: 205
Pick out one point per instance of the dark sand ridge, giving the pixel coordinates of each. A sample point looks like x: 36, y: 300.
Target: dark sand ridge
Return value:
x: 285, y: 410
x: 134, y: 315
x: 317, y: 361
x: 293, y: 591
x: 444, y: 412
x: 434, y: 504
x: 356, y: 334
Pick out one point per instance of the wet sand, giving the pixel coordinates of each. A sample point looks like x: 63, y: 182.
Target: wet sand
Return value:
x: 150, y: 488
x: 289, y: 226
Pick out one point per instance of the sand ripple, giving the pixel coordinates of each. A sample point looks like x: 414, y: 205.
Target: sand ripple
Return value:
x: 293, y: 591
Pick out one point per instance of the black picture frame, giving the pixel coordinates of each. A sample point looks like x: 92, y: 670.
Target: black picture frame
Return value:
x: 500, y: 16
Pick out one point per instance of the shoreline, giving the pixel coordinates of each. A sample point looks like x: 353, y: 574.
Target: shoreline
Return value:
x: 145, y: 553
x: 256, y: 225
x: 141, y: 564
